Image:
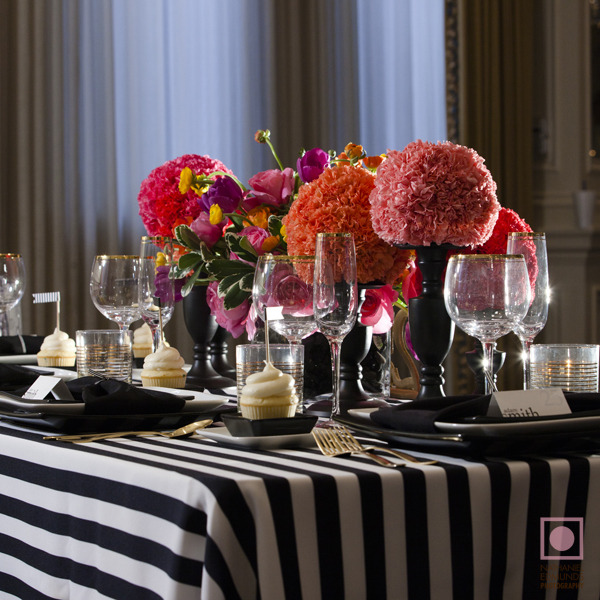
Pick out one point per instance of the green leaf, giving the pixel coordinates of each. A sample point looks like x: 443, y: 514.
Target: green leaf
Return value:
x: 237, y: 220
x: 189, y: 261
x: 234, y: 297
x: 241, y: 245
x: 220, y: 268
x: 186, y: 237
x: 189, y: 284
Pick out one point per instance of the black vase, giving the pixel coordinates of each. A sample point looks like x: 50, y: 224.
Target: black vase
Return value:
x: 218, y: 353
x: 202, y: 327
x: 431, y: 329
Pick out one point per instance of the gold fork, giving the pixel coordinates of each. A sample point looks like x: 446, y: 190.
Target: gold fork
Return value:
x: 330, y: 444
x: 351, y: 442
x: 94, y: 437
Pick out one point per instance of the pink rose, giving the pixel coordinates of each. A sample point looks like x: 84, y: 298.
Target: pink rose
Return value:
x: 208, y: 233
x: 378, y: 308
x: 273, y: 187
x: 256, y: 236
x: 233, y: 320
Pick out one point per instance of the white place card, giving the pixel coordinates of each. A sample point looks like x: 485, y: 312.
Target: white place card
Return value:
x: 528, y: 403
x: 46, y: 384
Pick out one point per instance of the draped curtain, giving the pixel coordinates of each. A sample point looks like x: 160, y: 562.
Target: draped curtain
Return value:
x: 97, y: 93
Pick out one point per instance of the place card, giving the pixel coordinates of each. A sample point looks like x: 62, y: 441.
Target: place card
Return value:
x: 528, y: 403
x: 46, y: 384
x: 274, y: 313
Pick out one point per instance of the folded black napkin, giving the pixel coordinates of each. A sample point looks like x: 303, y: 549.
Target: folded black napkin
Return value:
x: 15, y: 377
x: 20, y: 344
x: 420, y: 416
x: 112, y: 397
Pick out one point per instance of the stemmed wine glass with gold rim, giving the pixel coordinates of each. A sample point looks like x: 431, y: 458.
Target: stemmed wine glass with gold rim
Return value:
x: 12, y: 286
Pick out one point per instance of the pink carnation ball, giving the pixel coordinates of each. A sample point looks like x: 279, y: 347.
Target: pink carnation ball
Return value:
x: 162, y: 206
x: 430, y: 193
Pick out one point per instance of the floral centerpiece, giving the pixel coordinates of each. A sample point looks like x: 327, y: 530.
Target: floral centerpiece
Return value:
x: 278, y: 211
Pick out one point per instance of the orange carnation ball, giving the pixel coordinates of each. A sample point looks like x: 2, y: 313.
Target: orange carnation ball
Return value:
x: 338, y: 201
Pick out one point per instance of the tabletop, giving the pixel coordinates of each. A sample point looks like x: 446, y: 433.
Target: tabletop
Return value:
x: 194, y: 518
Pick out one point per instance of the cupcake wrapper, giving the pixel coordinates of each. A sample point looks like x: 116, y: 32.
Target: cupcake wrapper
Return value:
x: 167, y: 382
x: 268, y: 412
x: 55, y: 361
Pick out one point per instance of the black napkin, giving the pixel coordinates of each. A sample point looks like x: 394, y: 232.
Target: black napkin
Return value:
x: 112, y: 397
x: 20, y: 344
x: 420, y: 416
x: 14, y: 377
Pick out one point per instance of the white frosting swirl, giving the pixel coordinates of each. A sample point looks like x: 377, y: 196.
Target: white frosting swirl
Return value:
x: 269, y: 386
x: 142, y: 336
x: 57, y: 343
x: 164, y: 359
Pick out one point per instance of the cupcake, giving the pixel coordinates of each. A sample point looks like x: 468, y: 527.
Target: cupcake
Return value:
x: 57, y: 350
x: 269, y: 394
x: 164, y: 368
x: 142, y: 341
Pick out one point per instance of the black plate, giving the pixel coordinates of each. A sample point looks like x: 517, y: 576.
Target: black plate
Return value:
x: 242, y: 427
x: 479, y: 446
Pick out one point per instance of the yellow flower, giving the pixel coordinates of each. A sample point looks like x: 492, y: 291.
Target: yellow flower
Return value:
x: 283, y: 233
x: 216, y: 214
x: 161, y: 259
x: 185, y: 180
x: 270, y: 243
x: 258, y: 216
x: 354, y: 151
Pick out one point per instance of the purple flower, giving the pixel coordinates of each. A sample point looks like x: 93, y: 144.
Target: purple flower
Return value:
x: 166, y: 289
x: 273, y: 187
x: 208, y: 233
x: 312, y: 164
x: 225, y: 192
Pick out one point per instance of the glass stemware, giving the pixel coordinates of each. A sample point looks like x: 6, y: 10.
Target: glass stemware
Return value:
x: 286, y: 282
x: 114, y: 286
x: 156, y: 286
x: 335, y: 297
x: 487, y: 295
x: 12, y: 286
x: 533, y: 247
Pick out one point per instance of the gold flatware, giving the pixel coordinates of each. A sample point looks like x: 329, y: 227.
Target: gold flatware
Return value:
x: 186, y: 430
x: 348, y: 440
x: 331, y: 444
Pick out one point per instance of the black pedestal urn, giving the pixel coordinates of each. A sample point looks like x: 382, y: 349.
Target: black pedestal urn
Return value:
x: 202, y: 328
x: 431, y: 329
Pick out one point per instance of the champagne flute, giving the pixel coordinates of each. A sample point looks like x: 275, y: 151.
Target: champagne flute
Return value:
x: 12, y: 286
x: 487, y: 296
x: 114, y: 288
x: 283, y: 285
x: 533, y: 247
x: 156, y: 286
x: 335, y: 298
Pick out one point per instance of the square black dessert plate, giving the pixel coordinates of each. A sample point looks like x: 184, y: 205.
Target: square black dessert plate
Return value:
x: 242, y: 427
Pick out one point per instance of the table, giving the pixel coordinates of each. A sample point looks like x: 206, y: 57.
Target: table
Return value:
x: 153, y: 518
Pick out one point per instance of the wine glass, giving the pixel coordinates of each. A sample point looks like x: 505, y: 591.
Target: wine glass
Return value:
x: 12, y: 286
x: 335, y: 298
x: 156, y: 286
x: 283, y: 285
x: 533, y: 247
x: 487, y: 296
x: 114, y: 285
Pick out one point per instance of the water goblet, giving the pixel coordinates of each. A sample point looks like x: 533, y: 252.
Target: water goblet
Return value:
x: 156, y: 286
x: 533, y: 247
x: 12, y: 286
x: 284, y: 285
x: 487, y: 296
x: 335, y: 298
x: 114, y: 288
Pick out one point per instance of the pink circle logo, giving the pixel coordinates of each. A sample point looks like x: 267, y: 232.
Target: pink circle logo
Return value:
x: 561, y: 538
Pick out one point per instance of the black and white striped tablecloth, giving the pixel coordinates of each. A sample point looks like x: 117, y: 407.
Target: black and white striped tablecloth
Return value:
x: 181, y: 519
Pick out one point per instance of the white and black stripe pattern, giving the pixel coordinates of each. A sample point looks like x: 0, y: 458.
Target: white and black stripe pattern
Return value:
x: 150, y: 518
x: 44, y: 297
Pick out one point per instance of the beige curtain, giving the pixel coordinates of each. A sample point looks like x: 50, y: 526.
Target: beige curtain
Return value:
x: 495, y: 114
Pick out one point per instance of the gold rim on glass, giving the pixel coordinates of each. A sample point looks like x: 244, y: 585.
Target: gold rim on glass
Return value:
x: 487, y: 257
x: 10, y: 255
x: 526, y: 234
x: 115, y: 256
x: 333, y: 234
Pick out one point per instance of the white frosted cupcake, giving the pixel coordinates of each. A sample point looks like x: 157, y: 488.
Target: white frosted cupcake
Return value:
x: 164, y: 368
x: 57, y: 350
x: 142, y: 341
x: 269, y: 394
